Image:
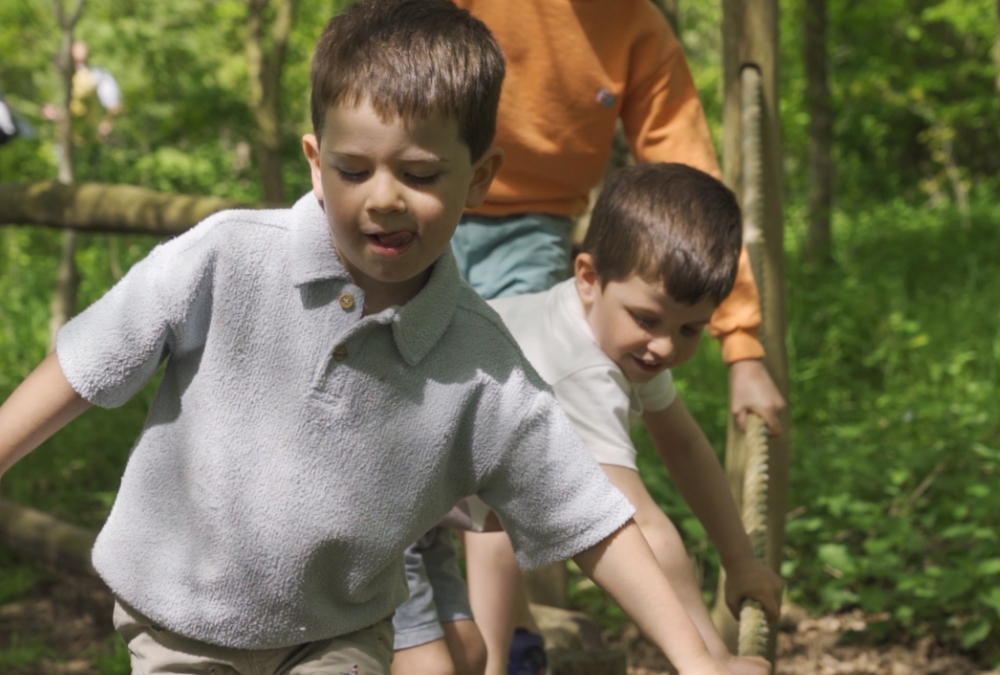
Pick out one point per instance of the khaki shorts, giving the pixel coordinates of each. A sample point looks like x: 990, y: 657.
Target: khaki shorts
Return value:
x: 157, y: 651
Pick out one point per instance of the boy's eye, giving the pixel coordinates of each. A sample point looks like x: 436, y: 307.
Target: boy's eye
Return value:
x: 642, y: 321
x: 352, y: 176
x: 692, y: 331
x: 421, y: 181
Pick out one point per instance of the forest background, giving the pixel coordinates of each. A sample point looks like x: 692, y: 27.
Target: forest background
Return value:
x: 894, y: 326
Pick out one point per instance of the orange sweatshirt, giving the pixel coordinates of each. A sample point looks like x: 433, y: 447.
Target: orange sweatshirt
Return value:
x: 573, y: 68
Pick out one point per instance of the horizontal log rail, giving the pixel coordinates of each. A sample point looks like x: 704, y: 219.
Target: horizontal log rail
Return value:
x: 100, y: 207
x: 38, y: 534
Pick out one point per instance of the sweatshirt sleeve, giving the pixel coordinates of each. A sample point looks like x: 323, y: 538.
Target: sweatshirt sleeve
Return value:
x: 664, y: 122
x: 110, y: 350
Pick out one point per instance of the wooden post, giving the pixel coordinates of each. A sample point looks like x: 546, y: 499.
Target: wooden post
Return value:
x: 750, y: 40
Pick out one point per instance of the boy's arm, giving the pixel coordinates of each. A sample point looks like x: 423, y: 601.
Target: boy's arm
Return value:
x: 699, y: 478
x: 623, y: 565
x: 41, y: 405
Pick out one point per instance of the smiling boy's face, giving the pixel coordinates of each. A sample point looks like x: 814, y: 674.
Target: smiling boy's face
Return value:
x: 637, y: 324
x: 393, y: 192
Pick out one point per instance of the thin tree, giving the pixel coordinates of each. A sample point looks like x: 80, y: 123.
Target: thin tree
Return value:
x: 821, y: 169
x: 67, y: 278
x: 265, y: 68
x: 996, y: 49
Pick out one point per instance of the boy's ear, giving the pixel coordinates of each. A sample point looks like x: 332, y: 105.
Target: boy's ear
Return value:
x: 310, y: 146
x: 588, y: 286
x: 484, y: 170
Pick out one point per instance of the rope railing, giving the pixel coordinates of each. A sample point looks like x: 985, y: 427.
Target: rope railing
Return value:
x: 754, y: 631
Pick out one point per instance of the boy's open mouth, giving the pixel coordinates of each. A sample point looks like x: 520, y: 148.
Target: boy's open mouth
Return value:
x: 392, y: 242
x: 647, y: 366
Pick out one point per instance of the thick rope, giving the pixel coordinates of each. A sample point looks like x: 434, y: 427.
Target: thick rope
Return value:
x: 754, y: 629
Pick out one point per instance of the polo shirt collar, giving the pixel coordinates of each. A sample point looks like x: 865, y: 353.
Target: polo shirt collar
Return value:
x: 418, y: 325
x: 313, y: 257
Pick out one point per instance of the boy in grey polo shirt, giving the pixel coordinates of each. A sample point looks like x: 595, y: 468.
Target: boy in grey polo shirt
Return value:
x: 332, y: 388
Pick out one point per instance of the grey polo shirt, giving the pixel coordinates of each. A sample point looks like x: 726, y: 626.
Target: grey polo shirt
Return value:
x: 295, y: 447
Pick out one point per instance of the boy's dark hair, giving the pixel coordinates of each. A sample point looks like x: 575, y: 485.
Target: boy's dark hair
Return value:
x: 411, y: 58
x: 668, y: 223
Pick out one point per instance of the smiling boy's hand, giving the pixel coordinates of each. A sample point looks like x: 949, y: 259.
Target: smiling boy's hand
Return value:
x: 753, y: 579
x: 751, y: 389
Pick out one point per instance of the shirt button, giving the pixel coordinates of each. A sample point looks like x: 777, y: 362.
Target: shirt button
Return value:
x: 347, y: 301
x: 340, y: 352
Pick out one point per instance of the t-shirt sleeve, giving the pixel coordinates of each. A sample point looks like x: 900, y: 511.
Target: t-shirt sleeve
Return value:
x: 658, y: 393
x: 551, y: 496
x: 597, y: 404
x: 111, y: 349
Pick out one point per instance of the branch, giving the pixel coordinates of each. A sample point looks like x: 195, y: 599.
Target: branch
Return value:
x: 76, y: 13
x: 96, y: 207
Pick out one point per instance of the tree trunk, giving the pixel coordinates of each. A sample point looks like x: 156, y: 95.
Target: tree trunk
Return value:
x: 996, y: 50
x: 67, y: 277
x: 96, y: 207
x: 818, y: 244
x: 265, y: 89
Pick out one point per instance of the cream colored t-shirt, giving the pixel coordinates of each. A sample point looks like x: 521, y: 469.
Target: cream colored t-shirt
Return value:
x: 553, y: 332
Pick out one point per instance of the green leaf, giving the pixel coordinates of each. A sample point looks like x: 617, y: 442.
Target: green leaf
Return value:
x: 988, y: 567
x: 991, y: 599
x: 837, y: 557
x: 974, y: 633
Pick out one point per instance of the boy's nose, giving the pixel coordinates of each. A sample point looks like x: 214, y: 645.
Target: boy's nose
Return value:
x: 385, y: 195
x: 661, y: 347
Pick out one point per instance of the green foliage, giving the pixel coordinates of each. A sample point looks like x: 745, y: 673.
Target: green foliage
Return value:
x: 896, y: 363
x: 111, y: 658
x: 24, y: 650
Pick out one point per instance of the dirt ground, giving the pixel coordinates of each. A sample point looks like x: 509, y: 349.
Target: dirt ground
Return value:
x: 67, y: 625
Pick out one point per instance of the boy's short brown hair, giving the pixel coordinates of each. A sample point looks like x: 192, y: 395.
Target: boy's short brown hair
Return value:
x: 411, y: 58
x: 669, y: 223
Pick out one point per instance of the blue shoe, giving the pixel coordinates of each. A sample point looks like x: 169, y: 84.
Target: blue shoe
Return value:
x: 527, y: 654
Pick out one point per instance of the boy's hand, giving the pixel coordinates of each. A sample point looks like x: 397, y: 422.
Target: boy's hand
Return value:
x: 753, y: 579
x: 751, y: 389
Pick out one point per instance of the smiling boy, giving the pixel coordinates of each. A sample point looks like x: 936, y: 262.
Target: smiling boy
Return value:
x: 332, y: 388
x: 660, y: 254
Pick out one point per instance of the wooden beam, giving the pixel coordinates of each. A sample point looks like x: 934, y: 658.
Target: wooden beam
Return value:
x: 97, y: 207
x: 38, y: 534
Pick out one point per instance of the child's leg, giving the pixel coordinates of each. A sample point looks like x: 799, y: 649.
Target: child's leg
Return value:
x: 497, y: 596
x: 494, y: 578
x: 435, y: 634
x: 669, y: 550
x: 466, y: 646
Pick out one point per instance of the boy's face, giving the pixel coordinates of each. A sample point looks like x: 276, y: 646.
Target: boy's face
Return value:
x: 393, y: 192
x: 641, y: 328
